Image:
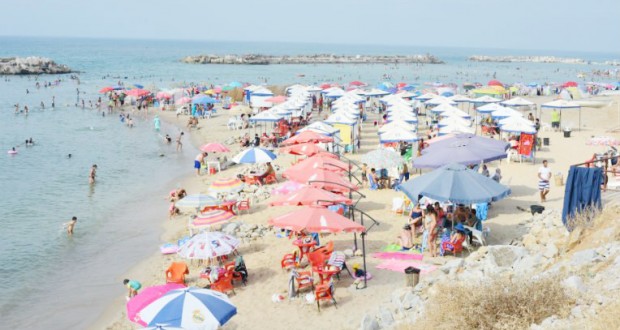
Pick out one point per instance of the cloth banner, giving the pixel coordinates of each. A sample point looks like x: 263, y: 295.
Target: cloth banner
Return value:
x: 525, y: 144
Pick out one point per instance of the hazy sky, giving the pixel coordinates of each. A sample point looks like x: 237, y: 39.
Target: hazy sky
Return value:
x: 518, y: 24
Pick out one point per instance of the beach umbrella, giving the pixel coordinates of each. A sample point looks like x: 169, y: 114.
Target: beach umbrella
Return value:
x: 440, y: 100
x: 327, y: 154
x: 235, y: 84
x: 455, y: 129
x: 514, y: 119
x: 603, y: 141
x: 495, y: 83
x: 214, y: 147
x: 517, y: 102
x: 307, y: 136
x: 226, y: 185
x: 137, y: 92
x: 454, y: 121
x: 321, y: 178
x: 287, y: 187
x: 426, y: 97
x: 183, y: 100
x: 203, y: 99
x: 106, y: 90
x: 490, y: 107
x: 316, y: 219
x: 455, y: 113
x: 254, y: 156
x: 276, y: 99
x: 145, y: 297
x: 197, y: 201
x: 444, y: 107
x: 211, y: 218
x: 356, y: 83
x: 505, y: 113
x: 409, y: 118
x: 382, y: 158
x: 457, y: 184
x: 162, y: 95
x: 485, y: 99
x: 306, y: 149
x: 466, y: 149
x: 190, y: 308
x: 162, y: 327
x: 313, y: 163
x: 320, y: 128
x: 309, y: 196
x: 207, y: 245
x: 460, y: 98
x: 398, y: 135
x: 570, y: 84
x: 138, y: 86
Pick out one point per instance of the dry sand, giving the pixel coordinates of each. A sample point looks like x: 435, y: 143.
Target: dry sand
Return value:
x: 255, y: 307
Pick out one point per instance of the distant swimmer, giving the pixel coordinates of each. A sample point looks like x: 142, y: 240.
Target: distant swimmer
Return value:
x: 168, y: 139
x: 12, y: 151
x: 69, y: 156
x: 70, y: 225
x: 92, y: 174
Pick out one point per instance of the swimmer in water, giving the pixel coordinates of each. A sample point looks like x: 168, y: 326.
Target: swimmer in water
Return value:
x: 70, y: 225
x: 93, y: 174
x: 168, y: 139
x: 69, y: 156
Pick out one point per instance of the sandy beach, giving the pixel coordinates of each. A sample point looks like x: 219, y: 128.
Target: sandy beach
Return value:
x: 262, y: 256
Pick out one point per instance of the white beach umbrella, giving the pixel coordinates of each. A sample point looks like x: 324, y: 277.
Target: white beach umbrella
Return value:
x: 517, y: 102
x: 398, y: 135
x: 454, y: 121
x: 518, y: 127
x: 455, y: 113
x: 442, y: 107
x: 396, y: 124
x: 439, y: 100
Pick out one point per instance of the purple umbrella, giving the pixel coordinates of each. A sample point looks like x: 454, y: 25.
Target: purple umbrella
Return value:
x: 466, y: 149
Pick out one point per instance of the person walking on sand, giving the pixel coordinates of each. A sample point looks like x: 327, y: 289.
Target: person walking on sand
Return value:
x: 92, y: 174
x: 179, y: 143
x: 133, y: 286
x: 200, y: 161
x: 544, y: 175
x: 70, y: 225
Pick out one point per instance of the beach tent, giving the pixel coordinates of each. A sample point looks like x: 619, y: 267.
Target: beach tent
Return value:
x: 518, y: 127
x: 455, y: 128
x: 426, y: 97
x: 397, y: 124
x: 346, y: 126
x: 439, y: 100
x: 489, y: 107
x: 505, y: 112
x: 454, y: 121
x: 266, y: 116
x: 442, y: 107
x: 398, y: 135
x: 517, y: 102
x: 455, y: 113
x: 563, y: 105
x: 484, y: 100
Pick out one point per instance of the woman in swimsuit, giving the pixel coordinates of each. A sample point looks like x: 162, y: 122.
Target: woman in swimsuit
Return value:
x: 430, y: 223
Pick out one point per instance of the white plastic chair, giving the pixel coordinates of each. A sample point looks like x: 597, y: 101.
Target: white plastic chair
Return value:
x: 477, y: 235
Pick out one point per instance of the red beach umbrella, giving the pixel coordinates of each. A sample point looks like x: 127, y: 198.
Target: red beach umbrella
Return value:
x: 321, y: 178
x: 316, y: 220
x: 495, y: 83
x: 309, y: 196
x: 317, y: 162
x: 210, y: 218
x: 306, y: 149
x: 214, y: 147
x: 106, y: 90
x: 570, y: 84
x: 307, y: 136
x: 356, y: 83
x: 137, y: 92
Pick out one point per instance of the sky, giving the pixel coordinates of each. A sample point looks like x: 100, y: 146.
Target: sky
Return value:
x: 519, y: 24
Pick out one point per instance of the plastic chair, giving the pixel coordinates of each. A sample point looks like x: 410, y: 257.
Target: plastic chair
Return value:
x: 224, y: 284
x: 252, y: 180
x: 289, y: 261
x: 304, y: 280
x: 398, y: 205
x: 176, y: 272
x: 243, y: 205
x: 270, y: 179
x: 324, y: 292
x: 317, y: 259
x: 455, y: 248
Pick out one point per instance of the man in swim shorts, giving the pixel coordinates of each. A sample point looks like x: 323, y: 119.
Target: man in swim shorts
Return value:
x: 199, y: 161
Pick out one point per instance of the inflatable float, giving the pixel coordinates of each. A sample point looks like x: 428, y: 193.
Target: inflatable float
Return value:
x: 12, y: 152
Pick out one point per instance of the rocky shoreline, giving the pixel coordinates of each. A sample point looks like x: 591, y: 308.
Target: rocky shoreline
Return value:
x: 31, y: 65
x: 526, y: 59
x: 258, y: 59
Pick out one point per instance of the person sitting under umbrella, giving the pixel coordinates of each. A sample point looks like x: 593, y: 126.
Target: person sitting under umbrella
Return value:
x: 268, y: 171
x: 457, y: 237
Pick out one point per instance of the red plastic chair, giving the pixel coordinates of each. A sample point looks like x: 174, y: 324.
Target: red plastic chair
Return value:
x: 324, y: 292
x: 176, y: 272
x: 455, y: 248
x: 224, y: 284
x: 252, y: 180
x: 317, y: 260
x: 243, y: 205
x: 289, y: 261
x: 304, y: 280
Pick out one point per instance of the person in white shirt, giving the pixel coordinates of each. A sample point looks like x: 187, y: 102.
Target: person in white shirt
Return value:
x: 544, y: 175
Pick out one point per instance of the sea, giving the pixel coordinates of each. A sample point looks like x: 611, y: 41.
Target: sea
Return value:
x: 52, y: 281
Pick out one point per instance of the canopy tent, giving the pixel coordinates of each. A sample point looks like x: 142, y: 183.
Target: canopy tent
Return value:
x: 444, y: 107
x: 518, y: 127
x: 455, y: 129
x: 397, y: 124
x: 489, y: 107
x: 439, y: 100
x: 455, y: 183
x: 562, y: 105
x: 517, y: 102
x: 266, y: 116
x: 485, y: 99
x: 398, y: 135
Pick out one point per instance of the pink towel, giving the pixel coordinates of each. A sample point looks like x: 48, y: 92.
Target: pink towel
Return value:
x: 400, y: 265
x: 398, y: 255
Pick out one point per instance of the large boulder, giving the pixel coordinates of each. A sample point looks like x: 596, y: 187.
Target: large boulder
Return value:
x: 31, y: 65
x: 505, y: 255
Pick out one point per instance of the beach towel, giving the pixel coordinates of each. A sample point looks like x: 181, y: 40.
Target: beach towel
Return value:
x: 582, y: 193
x: 400, y: 265
x: 336, y: 259
x: 481, y: 211
x: 398, y: 255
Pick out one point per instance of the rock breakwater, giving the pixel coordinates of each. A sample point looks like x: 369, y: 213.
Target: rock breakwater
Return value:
x: 258, y: 59
x: 528, y: 59
x: 31, y: 65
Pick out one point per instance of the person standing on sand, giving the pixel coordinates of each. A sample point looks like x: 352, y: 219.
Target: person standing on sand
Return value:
x: 200, y: 161
x: 133, y: 287
x: 544, y: 175
x: 70, y: 225
x: 179, y: 143
x: 92, y: 174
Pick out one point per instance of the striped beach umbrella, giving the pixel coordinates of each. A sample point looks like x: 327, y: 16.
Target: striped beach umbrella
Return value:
x: 211, y: 218
x: 226, y: 185
x: 197, y: 201
x: 254, y: 156
x: 207, y: 245
x: 190, y: 308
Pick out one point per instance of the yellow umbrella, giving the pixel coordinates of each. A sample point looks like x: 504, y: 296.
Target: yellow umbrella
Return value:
x: 210, y: 92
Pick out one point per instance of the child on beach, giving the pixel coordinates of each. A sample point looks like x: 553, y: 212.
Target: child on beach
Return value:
x: 70, y: 225
x: 133, y: 287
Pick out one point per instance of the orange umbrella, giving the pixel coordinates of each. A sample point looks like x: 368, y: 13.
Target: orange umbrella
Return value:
x: 307, y: 136
x: 310, y: 196
x: 306, y: 149
x: 320, y: 178
x: 316, y: 219
x: 317, y: 162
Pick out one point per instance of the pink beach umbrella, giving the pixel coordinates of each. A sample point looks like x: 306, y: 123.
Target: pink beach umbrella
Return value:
x: 310, y: 196
x: 145, y: 297
x: 137, y: 92
x: 214, y: 147
x: 184, y: 100
x: 287, y: 188
x: 163, y: 95
x: 211, y: 218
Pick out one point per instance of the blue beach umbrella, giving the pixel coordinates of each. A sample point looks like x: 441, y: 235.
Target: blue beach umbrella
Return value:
x: 235, y: 84
x: 190, y: 308
x: 138, y: 86
x: 457, y: 184
x: 466, y: 149
x: 254, y: 156
x: 203, y: 99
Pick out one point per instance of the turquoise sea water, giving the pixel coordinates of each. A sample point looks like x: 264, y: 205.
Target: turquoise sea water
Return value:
x: 55, y: 282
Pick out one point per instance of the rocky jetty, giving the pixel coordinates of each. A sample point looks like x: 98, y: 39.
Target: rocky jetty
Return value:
x: 577, y: 275
x: 31, y: 65
x: 528, y: 59
x: 258, y: 59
